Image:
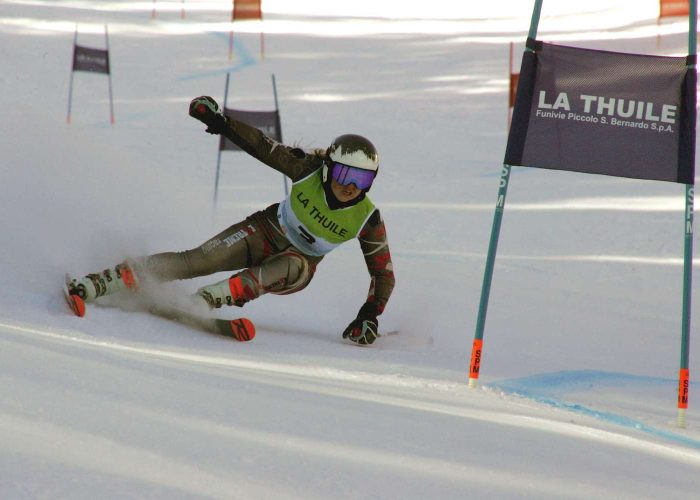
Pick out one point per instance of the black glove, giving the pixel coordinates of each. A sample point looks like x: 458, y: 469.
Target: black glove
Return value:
x: 206, y: 110
x: 364, y: 330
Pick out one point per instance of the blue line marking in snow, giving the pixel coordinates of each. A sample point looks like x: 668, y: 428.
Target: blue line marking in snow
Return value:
x: 243, y: 58
x: 540, y: 388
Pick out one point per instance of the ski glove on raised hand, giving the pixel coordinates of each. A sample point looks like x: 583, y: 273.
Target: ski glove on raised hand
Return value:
x: 206, y: 110
x: 365, y: 328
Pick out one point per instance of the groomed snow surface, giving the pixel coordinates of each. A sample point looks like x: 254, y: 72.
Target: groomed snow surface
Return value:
x: 577, y: 395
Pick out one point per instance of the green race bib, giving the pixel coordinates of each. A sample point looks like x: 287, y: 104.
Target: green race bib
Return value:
x: 311, y: 225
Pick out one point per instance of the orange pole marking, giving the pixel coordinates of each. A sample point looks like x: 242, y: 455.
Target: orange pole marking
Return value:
x: 476, y: 359
x: 683, y: 387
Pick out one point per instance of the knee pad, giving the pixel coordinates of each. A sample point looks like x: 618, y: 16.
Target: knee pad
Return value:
x: 291, y: 273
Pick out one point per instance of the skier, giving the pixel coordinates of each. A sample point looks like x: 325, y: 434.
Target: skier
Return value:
x: 276, y: 250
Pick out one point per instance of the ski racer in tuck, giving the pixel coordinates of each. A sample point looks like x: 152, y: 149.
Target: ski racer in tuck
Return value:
x: 277, y: 249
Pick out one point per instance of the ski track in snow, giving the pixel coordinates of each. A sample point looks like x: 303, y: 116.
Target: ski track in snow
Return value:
x: 298, y: 377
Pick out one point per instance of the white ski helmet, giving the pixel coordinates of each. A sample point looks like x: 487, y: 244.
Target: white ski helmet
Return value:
x: 354, y: 151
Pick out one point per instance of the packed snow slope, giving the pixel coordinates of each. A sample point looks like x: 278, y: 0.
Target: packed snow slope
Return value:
x: 577, y: 395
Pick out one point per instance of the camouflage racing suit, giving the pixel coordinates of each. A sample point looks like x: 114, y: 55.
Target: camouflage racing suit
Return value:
x: 256, y: 247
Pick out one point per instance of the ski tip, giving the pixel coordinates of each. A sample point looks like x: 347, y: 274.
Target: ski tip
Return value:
x: 241, y: 329
x: 76, y: 304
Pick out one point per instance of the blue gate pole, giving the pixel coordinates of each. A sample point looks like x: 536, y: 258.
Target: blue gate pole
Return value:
x: 684, y: 372
x: 109, y: 79
x: 221, y: 139
x: 477, y: 346
x: 278, y: 124
x: 70, y: 86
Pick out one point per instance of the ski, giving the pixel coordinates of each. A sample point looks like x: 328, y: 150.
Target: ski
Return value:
x: 241, y: 329
x: 75, y: 303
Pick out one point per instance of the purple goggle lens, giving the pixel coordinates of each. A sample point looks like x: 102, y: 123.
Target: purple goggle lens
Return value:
x: 345, y: 175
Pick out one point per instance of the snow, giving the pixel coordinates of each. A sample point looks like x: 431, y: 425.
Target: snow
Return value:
x: 577, y: 394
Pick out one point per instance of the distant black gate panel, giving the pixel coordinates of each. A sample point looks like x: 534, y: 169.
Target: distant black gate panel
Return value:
x: 89, y: 59
x: 265, y: 121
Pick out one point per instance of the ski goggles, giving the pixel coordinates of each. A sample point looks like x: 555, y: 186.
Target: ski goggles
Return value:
x: 346, y: 175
